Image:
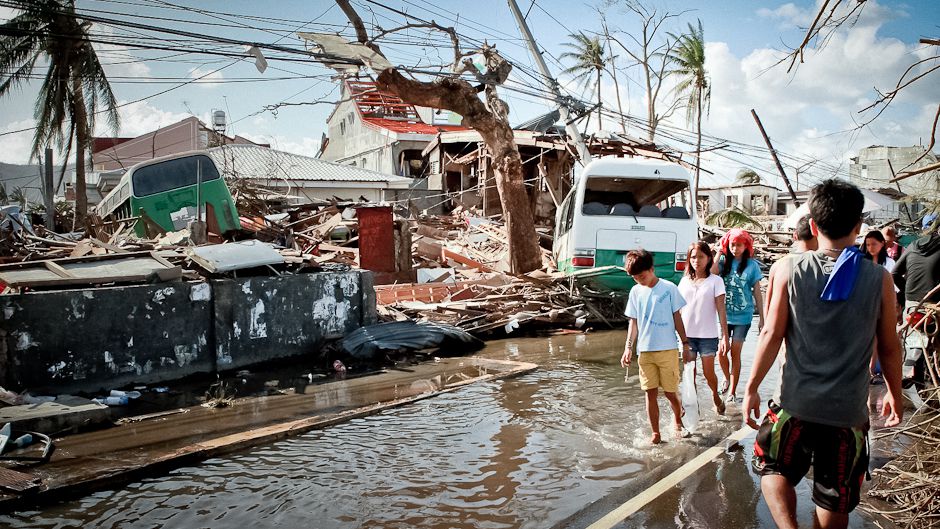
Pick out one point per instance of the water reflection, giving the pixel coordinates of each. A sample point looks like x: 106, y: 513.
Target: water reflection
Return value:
x: 528, y: 452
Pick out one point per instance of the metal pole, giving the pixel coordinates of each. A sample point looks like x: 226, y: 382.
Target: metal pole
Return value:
x: 552, y: 85
x: 773, y: 153
x: 198, y: 189
x: 48, y: 194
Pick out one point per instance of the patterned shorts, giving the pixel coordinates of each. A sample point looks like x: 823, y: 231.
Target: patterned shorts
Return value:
x: 788, y: 446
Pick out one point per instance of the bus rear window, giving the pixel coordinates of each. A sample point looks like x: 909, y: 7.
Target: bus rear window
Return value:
x: 638, y: 197
x: 172, y: 174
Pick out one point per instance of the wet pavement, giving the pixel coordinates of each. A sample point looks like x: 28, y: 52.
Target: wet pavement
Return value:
x: 558, y: 447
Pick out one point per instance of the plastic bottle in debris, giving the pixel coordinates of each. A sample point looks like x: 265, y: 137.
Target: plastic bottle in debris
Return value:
x: 112, y: 401
x: 128, y: 394
x: 22, y: 441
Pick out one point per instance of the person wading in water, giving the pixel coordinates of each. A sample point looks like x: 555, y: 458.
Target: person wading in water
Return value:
x: 829, y: 306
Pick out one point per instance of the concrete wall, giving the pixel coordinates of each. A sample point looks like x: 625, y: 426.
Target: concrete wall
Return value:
x: 263, y: 318
x: 100, y: 338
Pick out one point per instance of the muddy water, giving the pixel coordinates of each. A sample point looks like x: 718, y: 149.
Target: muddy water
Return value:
x: 535, y: 451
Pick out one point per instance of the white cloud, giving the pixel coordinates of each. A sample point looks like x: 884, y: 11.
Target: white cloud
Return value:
x: 15, y: 148
x: 807, y: 112
x: 207, y: 78
x: 141, y: 118
x: 304, y: 145
x: 789, y: 15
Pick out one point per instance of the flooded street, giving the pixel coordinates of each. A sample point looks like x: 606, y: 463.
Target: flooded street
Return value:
x: 534, y: 451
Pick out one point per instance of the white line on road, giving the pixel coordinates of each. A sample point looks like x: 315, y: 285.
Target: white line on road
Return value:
x: 639, y: 501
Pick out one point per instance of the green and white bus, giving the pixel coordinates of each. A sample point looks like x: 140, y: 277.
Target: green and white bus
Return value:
x: 621, y: 204
x: 166, y: 189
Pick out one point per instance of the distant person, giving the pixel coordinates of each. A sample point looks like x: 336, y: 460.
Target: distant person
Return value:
x: 653, y: 309
x: 829, y: 306
x: 704, y: 315
x: 875, y: 248
x: 916, y: 273
x: 918, y: 269
x: 803, y: 238
x: 742, y: 276
x: 891, y: 240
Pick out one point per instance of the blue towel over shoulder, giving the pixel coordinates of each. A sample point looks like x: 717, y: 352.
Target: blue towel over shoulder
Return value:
x: 842, y: 280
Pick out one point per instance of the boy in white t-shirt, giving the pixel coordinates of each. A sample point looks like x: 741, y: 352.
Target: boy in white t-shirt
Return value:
x: 704, y: 314
x: 653, y: 310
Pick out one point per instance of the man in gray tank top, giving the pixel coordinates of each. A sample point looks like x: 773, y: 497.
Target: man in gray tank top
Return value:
x: 829, y: 305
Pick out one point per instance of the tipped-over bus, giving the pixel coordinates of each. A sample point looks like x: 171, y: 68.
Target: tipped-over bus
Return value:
x: 173, y: 190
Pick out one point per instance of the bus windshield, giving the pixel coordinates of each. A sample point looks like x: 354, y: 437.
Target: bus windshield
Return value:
x: 640, y: 197
x: 172, y: 174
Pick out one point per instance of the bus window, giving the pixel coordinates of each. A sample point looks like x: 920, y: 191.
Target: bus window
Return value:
x: 569, y: 213
x: 638, y: 197
x: 172, y: 174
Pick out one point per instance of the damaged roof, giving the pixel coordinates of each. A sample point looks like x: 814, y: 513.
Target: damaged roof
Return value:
x: 388, y: 111
x: 250, y: 161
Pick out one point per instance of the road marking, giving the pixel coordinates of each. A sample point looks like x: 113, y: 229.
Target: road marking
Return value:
x: 639, y: 501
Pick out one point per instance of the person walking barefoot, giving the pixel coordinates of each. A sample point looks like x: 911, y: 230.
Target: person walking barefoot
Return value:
x: 704, y: 314
x: 653, y: 309
x: 742, y: 276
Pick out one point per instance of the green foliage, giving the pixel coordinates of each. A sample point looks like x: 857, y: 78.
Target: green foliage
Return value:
x: 688, y: 60
x: 589, y: 58
x: 747, y: 176
x: 733, y: 218
x: 48, y: 31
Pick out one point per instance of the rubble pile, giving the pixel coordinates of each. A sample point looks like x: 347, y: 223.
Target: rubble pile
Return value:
x: 464, y: 281
x: 458, y: 270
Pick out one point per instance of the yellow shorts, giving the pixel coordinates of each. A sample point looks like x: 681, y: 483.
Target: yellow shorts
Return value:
x: 659, y: 369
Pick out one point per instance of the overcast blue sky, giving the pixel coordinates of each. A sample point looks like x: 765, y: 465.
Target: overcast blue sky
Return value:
x: 810, y: 114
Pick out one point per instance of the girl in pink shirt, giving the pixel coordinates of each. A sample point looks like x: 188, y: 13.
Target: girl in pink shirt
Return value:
x: 704, y: 314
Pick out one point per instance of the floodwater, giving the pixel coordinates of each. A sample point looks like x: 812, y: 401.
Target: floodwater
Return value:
x: 556, y: 447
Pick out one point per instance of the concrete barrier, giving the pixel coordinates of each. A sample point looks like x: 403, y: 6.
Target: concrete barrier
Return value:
x: 99, y: 338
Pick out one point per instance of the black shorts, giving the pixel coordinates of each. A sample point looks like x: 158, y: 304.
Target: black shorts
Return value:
x: 788, y: 446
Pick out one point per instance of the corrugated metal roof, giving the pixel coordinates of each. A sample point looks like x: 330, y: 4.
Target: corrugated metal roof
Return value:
x: 250, y: 161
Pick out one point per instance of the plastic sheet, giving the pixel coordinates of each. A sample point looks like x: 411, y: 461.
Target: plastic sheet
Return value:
x: 689, y: 397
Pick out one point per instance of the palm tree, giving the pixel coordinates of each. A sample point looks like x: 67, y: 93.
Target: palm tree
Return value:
x: 747, y: 176
x: 688, y: 59
x: 74, y: 87
x: 589, y: 62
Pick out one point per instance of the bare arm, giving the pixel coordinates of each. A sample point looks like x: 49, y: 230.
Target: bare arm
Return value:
x: 889, y: 353
x: 769, y: 340
x: 723, y: 322
x: 759, y: 302
x: 631, y: 341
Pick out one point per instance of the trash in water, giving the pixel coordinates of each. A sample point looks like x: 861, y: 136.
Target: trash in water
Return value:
x: 21, y: 441
x: 162, y: 389
x: 339, y: 367
x: 511, y: 325
x: 128, y: 394
x: 112, y: 401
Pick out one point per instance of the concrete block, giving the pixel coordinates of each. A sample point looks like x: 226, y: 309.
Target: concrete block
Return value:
x: 65, y: 412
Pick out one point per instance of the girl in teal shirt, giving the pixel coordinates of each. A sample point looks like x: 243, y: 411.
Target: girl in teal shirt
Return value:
x: 742, y: 276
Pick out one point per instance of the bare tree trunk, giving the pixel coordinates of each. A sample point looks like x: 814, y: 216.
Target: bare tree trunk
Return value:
x: 600, y: 124
x: 80, y: 125
x: 613, y: 73
x: 491, y: 122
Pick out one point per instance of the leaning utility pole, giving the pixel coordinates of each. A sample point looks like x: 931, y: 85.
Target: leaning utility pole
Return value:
x: 48, y: 197
x: 552, y: 85
x: 773, y: 153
